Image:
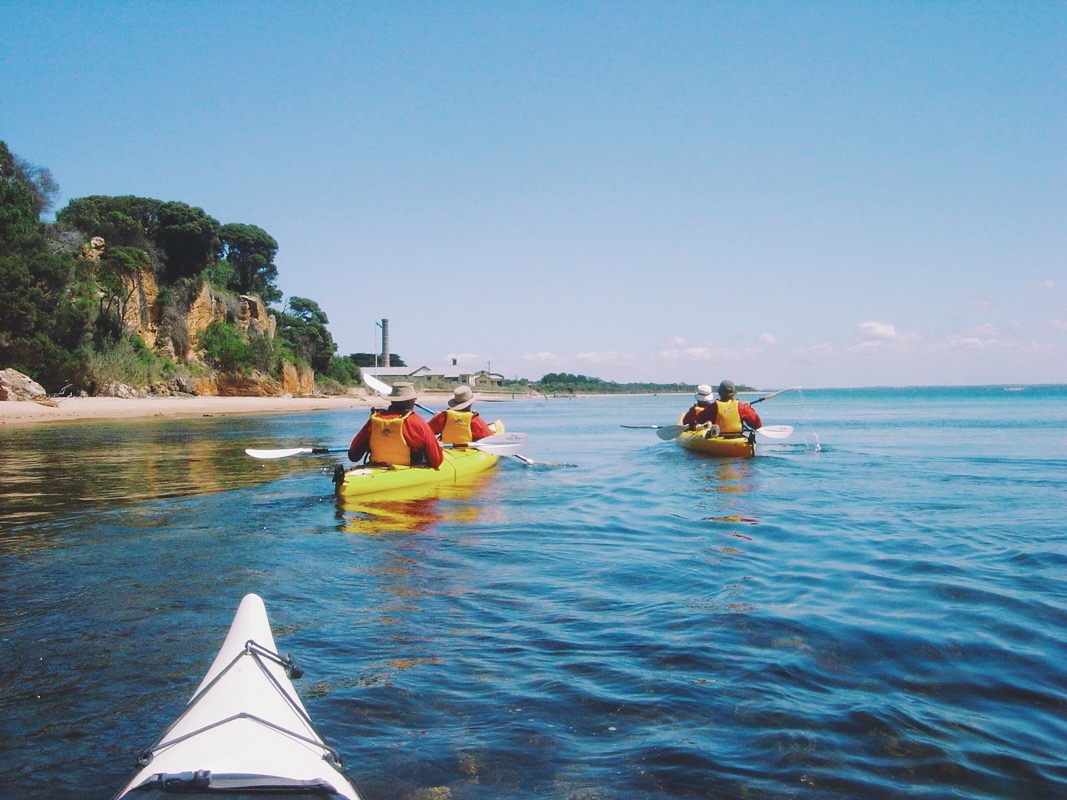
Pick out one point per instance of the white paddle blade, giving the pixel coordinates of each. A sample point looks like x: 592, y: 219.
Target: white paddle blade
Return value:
x: 375, y: 385
x: 502, y: 444
x: 292, y: 451
x: 668, y: 432
x: 775, y: 431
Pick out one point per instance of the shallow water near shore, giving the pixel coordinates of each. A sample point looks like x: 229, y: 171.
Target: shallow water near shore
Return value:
x: 875, y: 607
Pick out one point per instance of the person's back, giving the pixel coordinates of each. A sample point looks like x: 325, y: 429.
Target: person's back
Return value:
x: 459, y: 423
x: 730, y: 415
x: 693, y: 417
x: 396, y: 436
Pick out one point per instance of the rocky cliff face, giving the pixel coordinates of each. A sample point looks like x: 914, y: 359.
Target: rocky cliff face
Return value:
x: 143, y: 314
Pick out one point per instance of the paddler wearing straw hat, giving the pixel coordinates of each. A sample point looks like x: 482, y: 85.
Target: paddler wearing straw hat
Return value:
x: 703, y: 398
x: 730, y: 416
x: 459, y: 423
x: 396, y: 436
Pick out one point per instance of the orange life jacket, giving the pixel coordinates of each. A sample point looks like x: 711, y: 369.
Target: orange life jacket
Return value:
x: 387, y: 443
x: 457, y: 428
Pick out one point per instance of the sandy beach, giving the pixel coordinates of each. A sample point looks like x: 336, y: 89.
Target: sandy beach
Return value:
x: 87, y: 409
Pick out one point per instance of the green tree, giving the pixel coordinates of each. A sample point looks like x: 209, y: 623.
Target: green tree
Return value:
x: 225, y: 348
x: 343, y: 370
x: 187, y: 239
x: 115, y: 276
x: 44, y: 325
x: 249, y: 251
x: 42, y: 186
x: 183, y: 238
x: 125, y: 220
x: 303, y: 326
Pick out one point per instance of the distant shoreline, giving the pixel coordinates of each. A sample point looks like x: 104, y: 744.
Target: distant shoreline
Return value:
x: 14, y: 413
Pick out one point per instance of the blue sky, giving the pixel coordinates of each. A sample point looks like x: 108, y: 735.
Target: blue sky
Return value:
x: 816, y: 194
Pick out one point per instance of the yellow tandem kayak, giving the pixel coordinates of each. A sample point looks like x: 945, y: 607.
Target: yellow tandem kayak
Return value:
x: 460, y: 464
x: 698, y: 441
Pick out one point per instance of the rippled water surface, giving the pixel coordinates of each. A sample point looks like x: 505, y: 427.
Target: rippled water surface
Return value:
x: 875, y: 607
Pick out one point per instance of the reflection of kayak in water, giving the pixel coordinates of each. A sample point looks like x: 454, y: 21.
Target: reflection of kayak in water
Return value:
x: 460, y: 464
x: 410, y: 510
x: 721, y: 446
x: 245, y: 732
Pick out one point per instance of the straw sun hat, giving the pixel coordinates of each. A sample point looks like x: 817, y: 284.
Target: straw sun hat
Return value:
x: 463, y: 398
x: 402, y: 391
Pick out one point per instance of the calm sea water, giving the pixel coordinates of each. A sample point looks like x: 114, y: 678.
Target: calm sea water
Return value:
x: 874, y: 608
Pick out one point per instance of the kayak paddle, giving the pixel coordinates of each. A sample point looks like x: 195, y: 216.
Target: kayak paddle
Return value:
x: 500, y: 444
x: 775, y: 431
x: 668, y: 432
x: 294, y: 451
x: 774, y: 394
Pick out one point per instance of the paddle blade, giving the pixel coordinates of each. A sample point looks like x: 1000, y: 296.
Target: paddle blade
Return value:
x: 668, y: 432
x: 775, y: 431
x: 292, y: 451
x: 502, y: 444
x: 375, y: 385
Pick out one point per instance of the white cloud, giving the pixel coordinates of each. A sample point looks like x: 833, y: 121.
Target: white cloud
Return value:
x: 464, y: 358
x: 986, y: 329
x: 1048, y: 285
x: 1059, y: 324
x: 883, y: 332
x: 768, y: 338
x: 676, y: 341
x: 539, y: 358
x: 609, y: 357
x: 690, y: 353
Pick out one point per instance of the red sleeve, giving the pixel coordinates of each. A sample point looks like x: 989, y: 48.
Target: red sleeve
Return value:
x: 690, y: 416
x: 707, y: 414
x: 421, y: 440
x: 479, y: 429
x: 749, y: 415
x: 360, y: 444
x: 437, y: 422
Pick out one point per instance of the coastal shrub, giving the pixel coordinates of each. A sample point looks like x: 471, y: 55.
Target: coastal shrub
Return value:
x: 225, y: 349
x: 264, y: 353
x: 344, y: 371
x: 127, y: 361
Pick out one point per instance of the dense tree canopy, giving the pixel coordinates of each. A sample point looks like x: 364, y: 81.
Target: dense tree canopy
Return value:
x: 249, y: 253
x: 303, y: 325
x: 184, y: 239
x: 43, y: 324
